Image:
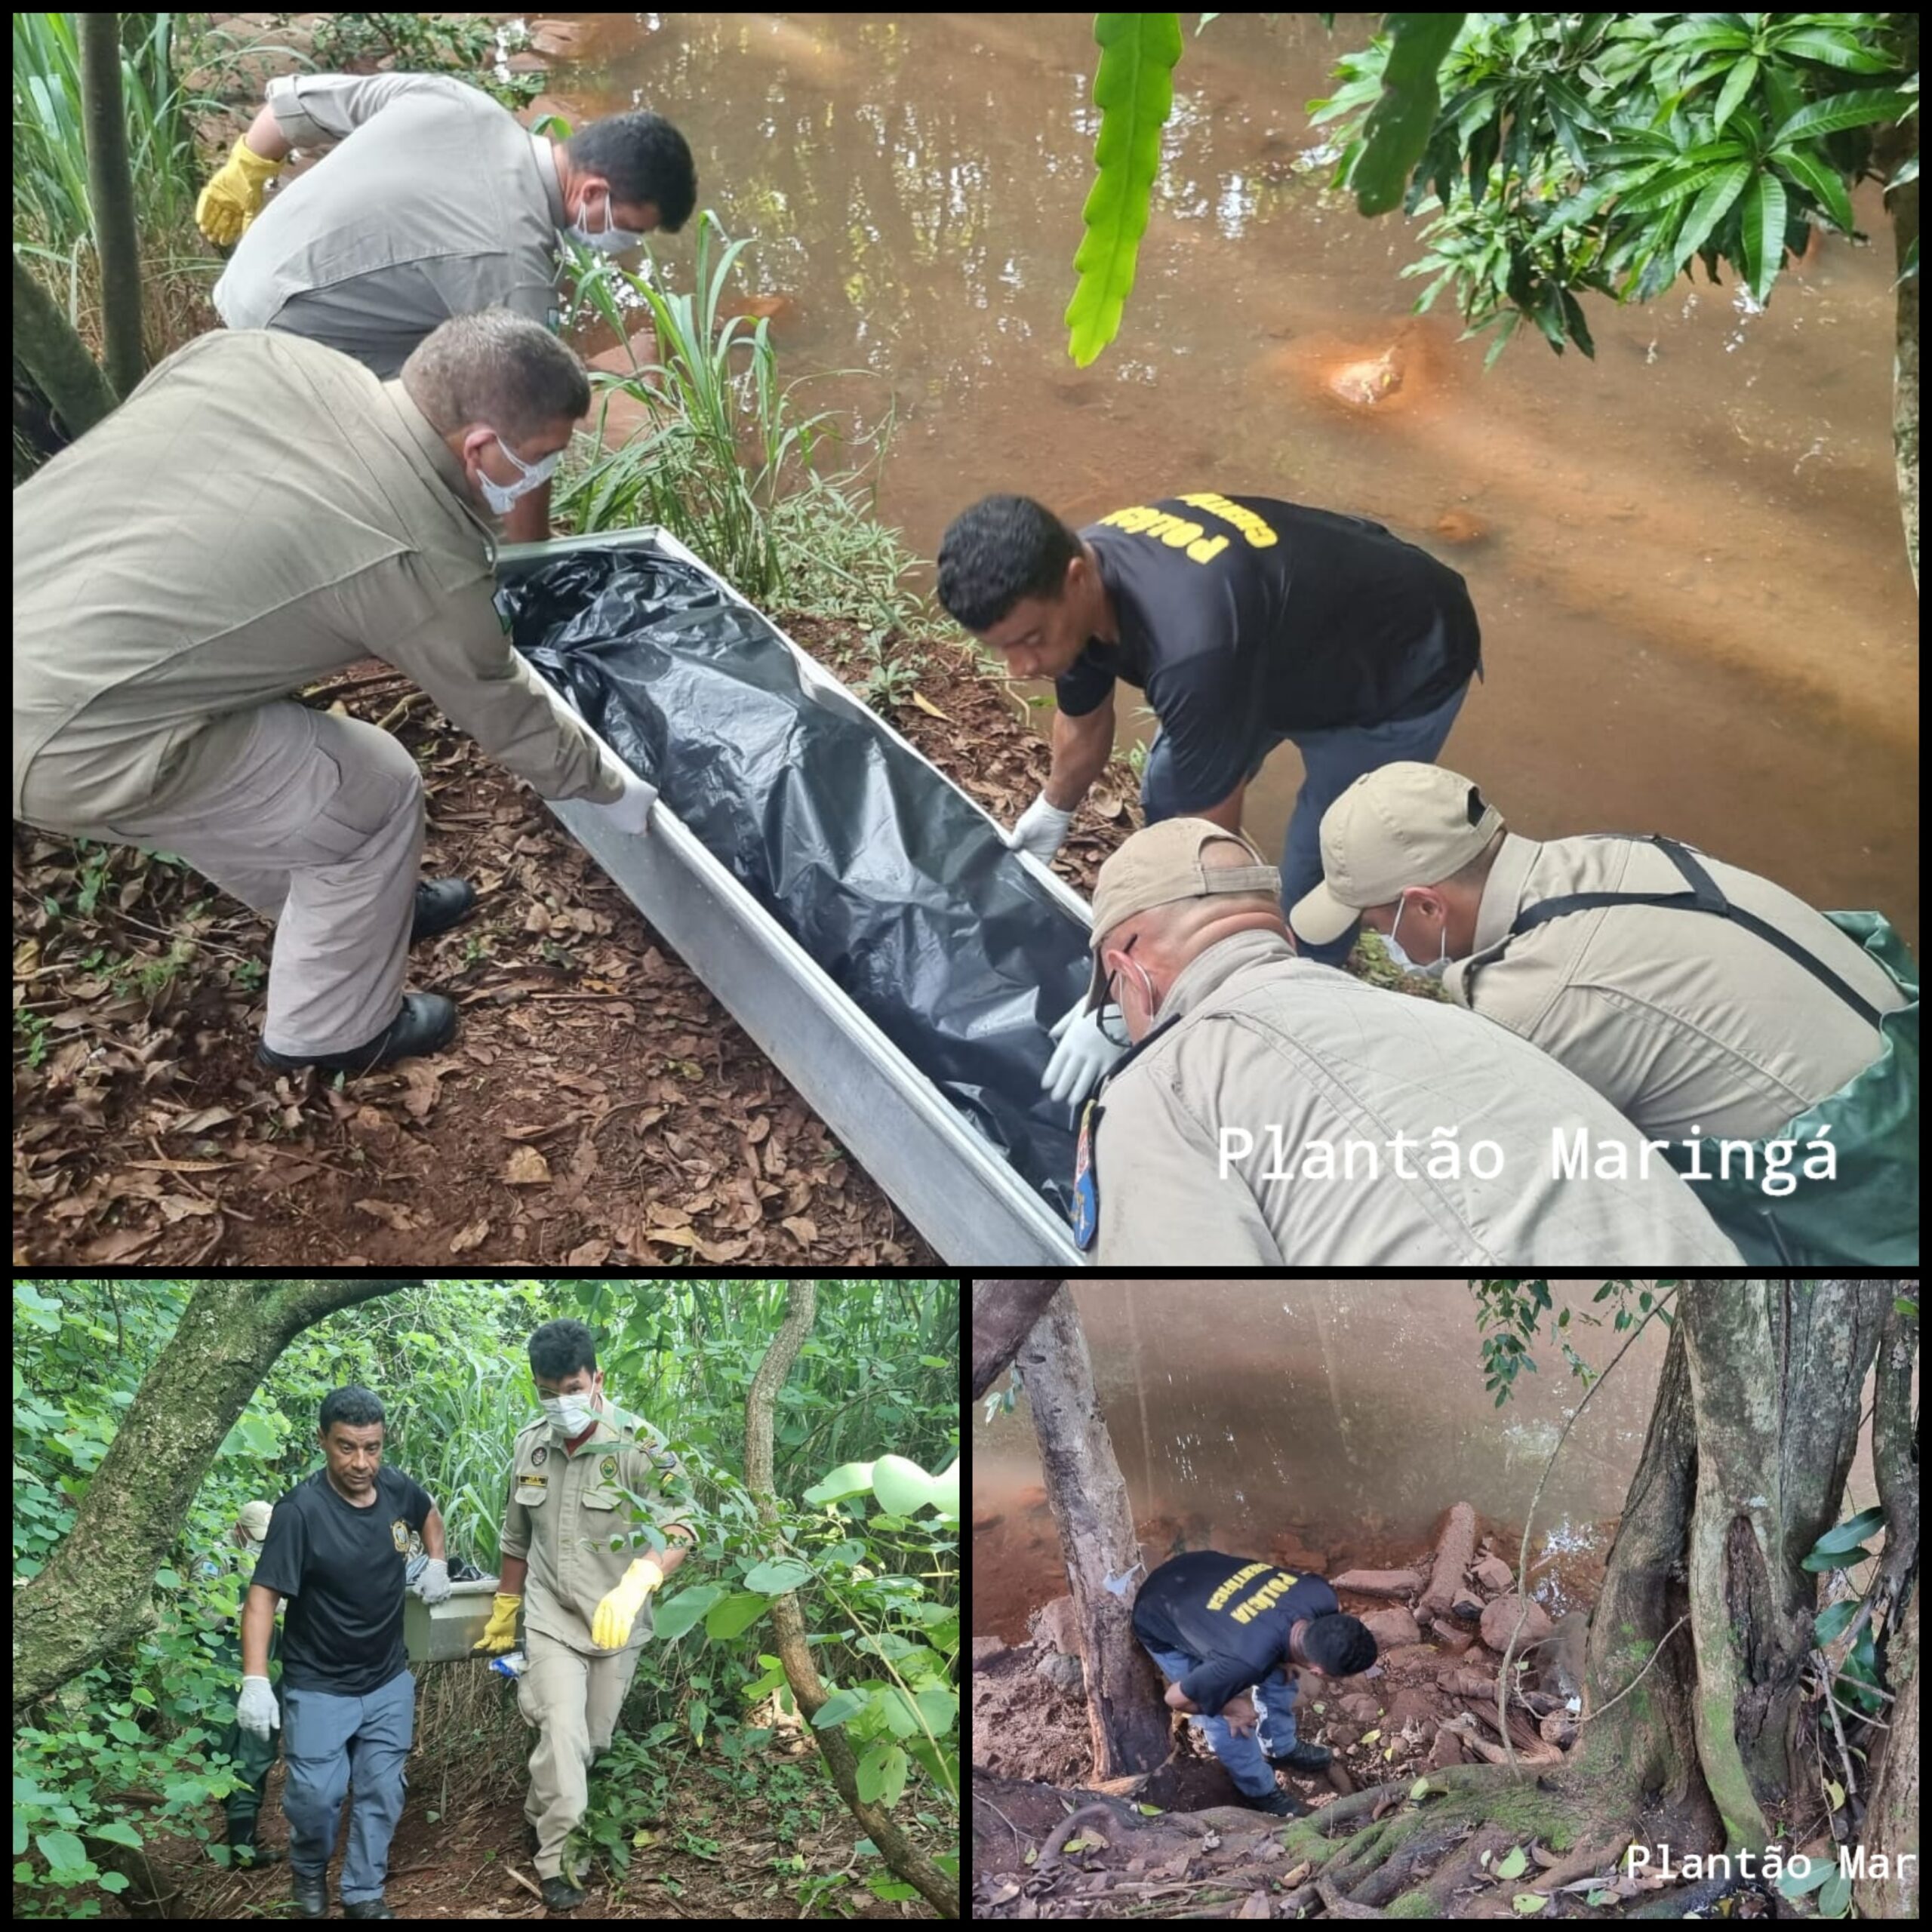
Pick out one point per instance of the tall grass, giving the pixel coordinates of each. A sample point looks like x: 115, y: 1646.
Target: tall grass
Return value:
x: 721, y: 441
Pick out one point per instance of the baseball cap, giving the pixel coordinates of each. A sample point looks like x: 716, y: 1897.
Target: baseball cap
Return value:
x: 1160, y: 864
x: 1400, y: 825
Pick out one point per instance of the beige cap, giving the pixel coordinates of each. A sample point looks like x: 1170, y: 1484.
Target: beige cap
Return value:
x: 1160, y: 864
x: 1399, y: 826
x: 252, y: 1520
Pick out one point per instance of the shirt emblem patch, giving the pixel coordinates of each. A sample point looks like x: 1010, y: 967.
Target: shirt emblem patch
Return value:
x: 607, y: 1468
x: 537, y: 1457
x: 399, y: 1535
x: 1086, y: 1179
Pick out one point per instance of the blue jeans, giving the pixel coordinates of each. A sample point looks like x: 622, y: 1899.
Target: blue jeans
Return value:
x: 1331, y: 760
x: 1246, y: 1758
x: 327, y: 1741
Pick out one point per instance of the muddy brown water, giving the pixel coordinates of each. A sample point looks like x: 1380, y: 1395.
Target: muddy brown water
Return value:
x: 1697, y: 614
x: 1327, y: 1424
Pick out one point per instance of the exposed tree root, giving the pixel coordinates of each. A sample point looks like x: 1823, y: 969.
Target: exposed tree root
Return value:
x: 1069, y: 1828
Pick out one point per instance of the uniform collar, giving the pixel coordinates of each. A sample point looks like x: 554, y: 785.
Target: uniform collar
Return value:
x: 546, y: 172
x: 1208, y: 973
x: 434, y: 454
x: 1496, y: 912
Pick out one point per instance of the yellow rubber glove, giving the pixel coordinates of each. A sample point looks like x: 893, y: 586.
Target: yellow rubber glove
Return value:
x: 610, y: 1628
x: 499, y: 1633
x: 233, y: 197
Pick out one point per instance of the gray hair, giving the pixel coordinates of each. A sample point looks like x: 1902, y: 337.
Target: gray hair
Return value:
x: 495, y: 367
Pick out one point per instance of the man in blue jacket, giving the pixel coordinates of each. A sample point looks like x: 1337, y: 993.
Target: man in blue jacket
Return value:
x: 1222, y: 1627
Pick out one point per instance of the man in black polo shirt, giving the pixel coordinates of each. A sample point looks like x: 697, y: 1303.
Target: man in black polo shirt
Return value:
x: 1220, y: 1625
x: 1247, y: 621
x: 338, y: 1546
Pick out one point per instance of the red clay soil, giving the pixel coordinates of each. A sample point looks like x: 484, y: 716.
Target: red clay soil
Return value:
x: 598, y: 1105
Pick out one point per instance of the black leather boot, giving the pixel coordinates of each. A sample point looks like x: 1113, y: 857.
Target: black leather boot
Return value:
x: 426, y: 1024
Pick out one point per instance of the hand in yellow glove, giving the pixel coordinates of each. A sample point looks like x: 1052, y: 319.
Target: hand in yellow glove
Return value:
x: 610, y: 1628
x: 499, y: 1633
x: 233, y: 197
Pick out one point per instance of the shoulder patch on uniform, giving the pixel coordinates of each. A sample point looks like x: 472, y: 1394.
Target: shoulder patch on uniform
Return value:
x: 537, y: 1455
x: 607, y: 1468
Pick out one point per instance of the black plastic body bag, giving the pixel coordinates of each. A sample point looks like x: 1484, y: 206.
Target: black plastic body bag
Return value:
x: 888, y: 877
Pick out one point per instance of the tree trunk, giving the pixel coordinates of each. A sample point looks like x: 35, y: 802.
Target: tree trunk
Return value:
x: 93, y: 1598
x: 56, y: 358
x: 1003, y: 1313
x: 1090, y: 1508
x: 111, y: 190
x: 1891, y: 1823
x: 906, y: 1860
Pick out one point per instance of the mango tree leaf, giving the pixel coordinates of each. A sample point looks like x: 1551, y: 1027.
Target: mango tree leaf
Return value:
x: 1835, y: 1900
x: 1825, y: 184
x: 1763, y: 218
x: 1848, y: 1535
x: 1804, y: 1874
x: 1834, y: 1622
x: 1398, y: 127
x: 1713, y: 205
x: 840, y: 1706
x: 1860, y: 108
x: 1134, y: 90
x: 1736, y: 85
x: 1850, y: 1560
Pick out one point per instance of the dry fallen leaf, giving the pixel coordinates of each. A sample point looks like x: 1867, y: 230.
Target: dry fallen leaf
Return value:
x: 926, y: 705
x: 1256, y: 1906
x: 397, y: 1216
x: 806, y: 1231
x: 473, y: 1236
x: 526, y: 1167
x: 591, y: 1255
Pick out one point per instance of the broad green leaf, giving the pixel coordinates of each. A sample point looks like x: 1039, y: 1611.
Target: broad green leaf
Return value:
x: 1763, y: 218
x: 1134, y: 90
x: 736, y: 1613
x: 1419, y: 1789
x: 899, y: 1711
x: 1515, y: 1866
x: 1601, y: 1898
x: 775, y: 1578
x: 1677, y: 184
x: 1833, y: 1622
x: 1835, y: 1793
x: 1850, y: 1560
x: 61, y: 1849
x: 848, y: 1479
x: 1149, y: 1810
x: 836, y: 1708
x: 1835, y: 1900
x: 1804, y: 1874
x: 674, y: 1616
x: 1848, y: 1535
x: 1832, y: 50
x: 872, y: 1770
x: 112, y: 1882
x: 1398, y: 127
x: 894, y: 1776
x: 118, y: 1831
x: 1861, y: 107
x: 901, y: 1487
x: 1527, y: 1902
x: 1827, y: 185
x: 939, y: 1707
x: 1370, y: 1737
x: 1736, y: 85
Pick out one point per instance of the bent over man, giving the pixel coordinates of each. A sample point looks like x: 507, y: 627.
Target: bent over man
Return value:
x: 1220, y: 1626
x: 569, y: 1541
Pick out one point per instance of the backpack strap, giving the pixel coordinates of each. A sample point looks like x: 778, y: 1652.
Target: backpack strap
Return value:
x: 1704, y: 895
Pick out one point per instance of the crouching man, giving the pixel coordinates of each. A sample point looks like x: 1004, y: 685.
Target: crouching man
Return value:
x: 1223, y: 1627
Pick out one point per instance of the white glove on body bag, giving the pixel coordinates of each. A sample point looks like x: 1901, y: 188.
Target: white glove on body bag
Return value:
x: 630, y: 811
x: 1082, y: 1058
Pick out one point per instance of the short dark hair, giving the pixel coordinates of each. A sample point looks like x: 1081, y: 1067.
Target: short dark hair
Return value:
x: 562, y: 1348
x: 1002, y: 549
x: 491, y: 366
x: 645, y: 159
x: 1339, y: 1645
x: 354, y: 1405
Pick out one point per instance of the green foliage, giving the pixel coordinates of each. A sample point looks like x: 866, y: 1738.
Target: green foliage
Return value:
x: 1604, y: 153
x: 1510, y: 1310
x: 1134, y: 91
x: 878, y: 1372
x: 720, y: 441
x: 1398, y: 126
x: 465, y: 45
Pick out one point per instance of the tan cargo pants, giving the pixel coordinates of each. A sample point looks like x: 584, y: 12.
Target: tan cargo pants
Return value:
x: 573, y: 1700
x: 319, y: 823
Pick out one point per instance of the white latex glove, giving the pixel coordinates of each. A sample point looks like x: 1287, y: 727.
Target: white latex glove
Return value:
x: 255, y: 1709
x: 433, y: 1586
x: 630, y: 811
x: 1083, y: 1056
x: 1041, y: 830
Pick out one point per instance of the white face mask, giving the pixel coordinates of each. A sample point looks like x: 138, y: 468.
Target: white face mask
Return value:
x: 570, y: 1415
x: 608, y: 240
x: 250, y: 1547
x: 1431, y: 969
x: 531, y: 475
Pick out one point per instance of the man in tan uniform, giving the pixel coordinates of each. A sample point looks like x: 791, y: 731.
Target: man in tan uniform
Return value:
x: 1276, y: 1110
x: 261, y: 511
x: 569, y: 1538
x: 1700, y: 999
x: 436, y: 202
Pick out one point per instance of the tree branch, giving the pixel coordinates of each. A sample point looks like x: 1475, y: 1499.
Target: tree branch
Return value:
x: 1003, y: 1313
